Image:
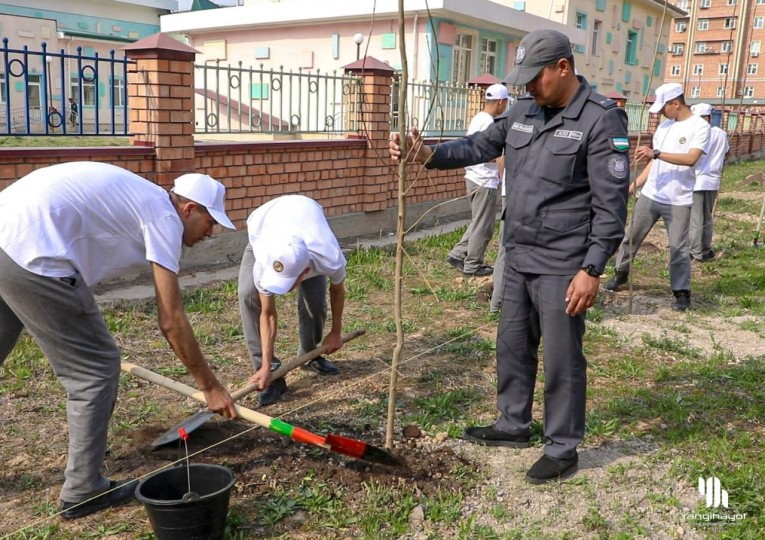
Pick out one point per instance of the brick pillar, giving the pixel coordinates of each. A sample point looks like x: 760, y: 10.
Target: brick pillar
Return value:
x: 380, y: 184
x: 161, y: 98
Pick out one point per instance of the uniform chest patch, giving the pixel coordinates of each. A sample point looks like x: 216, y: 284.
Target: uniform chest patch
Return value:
x: 618, y: 166
x: 568, y: 134
x: 682, y: 140
x: 522, y: 127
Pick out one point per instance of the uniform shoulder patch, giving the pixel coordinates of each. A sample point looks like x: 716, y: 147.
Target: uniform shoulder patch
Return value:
x: 620, y: 144
x: 618, y: 166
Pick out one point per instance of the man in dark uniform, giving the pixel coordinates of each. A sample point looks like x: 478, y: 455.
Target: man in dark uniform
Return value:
x: 567, y: 173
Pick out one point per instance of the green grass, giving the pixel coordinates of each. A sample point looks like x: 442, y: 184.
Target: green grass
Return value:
x: 63, y: 141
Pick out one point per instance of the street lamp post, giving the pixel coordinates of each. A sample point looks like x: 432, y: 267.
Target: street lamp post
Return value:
x: 358, y: 39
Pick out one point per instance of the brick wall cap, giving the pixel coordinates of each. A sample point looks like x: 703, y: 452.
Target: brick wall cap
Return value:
x: 160, y: 46
x: 369, y: 64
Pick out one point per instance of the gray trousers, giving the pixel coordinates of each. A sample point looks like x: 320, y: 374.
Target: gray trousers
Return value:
x: 312, y: 310
x: 483, y: 211
x: 64, y: 320
x: 702, y: 224
x: 676, y: 220
x: 533, y: 306
x: 497, y: 277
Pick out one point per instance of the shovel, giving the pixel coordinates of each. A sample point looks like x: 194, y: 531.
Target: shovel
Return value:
x: 200, y: 417
x: 335, y: 443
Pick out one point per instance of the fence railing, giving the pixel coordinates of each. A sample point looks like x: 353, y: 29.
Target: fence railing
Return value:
x: 238, y: 99
x: 57, y: 93
x: 637, y: 117
x: 437, y: 109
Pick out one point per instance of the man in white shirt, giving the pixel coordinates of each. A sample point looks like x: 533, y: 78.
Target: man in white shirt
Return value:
x: 290, y: 247
x: 65, y: 228
x: 482, y: 182
x: 667, y: 191
x: 708, y: 177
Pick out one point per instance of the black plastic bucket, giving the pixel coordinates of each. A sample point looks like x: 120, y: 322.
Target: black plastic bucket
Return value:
x: 175, y: 519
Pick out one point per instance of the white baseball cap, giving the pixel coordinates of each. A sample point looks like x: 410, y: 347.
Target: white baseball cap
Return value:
x: 496, y: 92
x: 286, y: 259
x: 702, y: 109
x: 665, y: 93
x: 204, y: 190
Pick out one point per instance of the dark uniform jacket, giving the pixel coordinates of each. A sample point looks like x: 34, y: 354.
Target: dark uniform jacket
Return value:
x: 566, y: 180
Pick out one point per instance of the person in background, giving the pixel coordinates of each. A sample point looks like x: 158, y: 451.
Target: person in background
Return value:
x: 284, y: 254
x: 73, y: 112
x: 667, y: 191
x: 709, y: 170
x: 65, y: 228
x: 482, y: 182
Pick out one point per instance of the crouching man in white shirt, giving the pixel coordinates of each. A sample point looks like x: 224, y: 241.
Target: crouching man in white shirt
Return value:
x: 69, y: 226
x: 291, y: 246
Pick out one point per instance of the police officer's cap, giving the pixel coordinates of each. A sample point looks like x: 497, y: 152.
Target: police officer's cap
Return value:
x: 537, y: 49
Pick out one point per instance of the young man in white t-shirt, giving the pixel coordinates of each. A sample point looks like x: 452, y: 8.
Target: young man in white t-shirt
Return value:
x: 482, y: 182
x: 290, y: 247
x: 708, y: 177
x: 667, y: 191
x: 65, y: 228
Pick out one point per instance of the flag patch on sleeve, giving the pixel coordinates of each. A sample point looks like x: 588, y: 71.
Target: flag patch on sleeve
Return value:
x: 620, y: 143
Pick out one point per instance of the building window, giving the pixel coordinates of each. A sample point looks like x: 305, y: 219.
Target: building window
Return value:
x: 698, y: 69
x: 731, y: 2
x: 723, y: 69
x: 678, y: 49
x: 749, y: 92
x: 675, y: 70
x: 88, y: 91
x: 630, y: 54
x: 118, y: 92
x: 681, y: 26
x: 595, y: 45
x: 695, y: 91
x: 683, y: 4
x: 720, y: 91
x: 760, y: 2
x: 488, y: 56
x: 705, y: 3
x: 461, y: 58
x: 754, y: 47
x: 703, y: 24
x: 751, y: 69
x: 730, y: 22
x: 759, y: 22
x: 700, y: 47
x: 725, y: 46
x: 581, y: 20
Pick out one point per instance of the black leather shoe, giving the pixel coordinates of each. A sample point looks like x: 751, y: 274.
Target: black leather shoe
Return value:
x: 273, y: 392
x: 455, y: 262
x: 483, y: 270
x: 548, y: 468
x: 119, y: 493
x: 322, y: 366
x: 682, y: 301
x: 488, y: 436
x: 616, y: 282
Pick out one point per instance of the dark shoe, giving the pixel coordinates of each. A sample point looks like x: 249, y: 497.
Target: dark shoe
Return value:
x: 548, y: 468
x: 682, y: 301
x: 483, y: 270
x: 119, y: 493
x: 322, y: 366
x: 616, y: 282
x: 273, y: 392
x: 455, y: 262
x: 488, y: 436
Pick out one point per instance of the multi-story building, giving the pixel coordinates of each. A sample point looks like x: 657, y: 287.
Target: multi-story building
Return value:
x: 625, y: 49
x: 715, y: 51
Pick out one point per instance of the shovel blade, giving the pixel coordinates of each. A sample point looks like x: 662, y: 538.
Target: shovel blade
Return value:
x: 189, y: 424
x: 360, y: 450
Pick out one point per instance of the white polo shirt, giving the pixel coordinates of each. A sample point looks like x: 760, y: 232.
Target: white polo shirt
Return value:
x: 296, y: 215
x: 483, y: 174
x: 673, y: 184
x: 88, y: 217
x: 709, y: 166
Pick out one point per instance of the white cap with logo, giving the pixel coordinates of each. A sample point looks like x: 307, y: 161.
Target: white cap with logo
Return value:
x: 204, y: 190
x: 496, y: 92
x: 664, y: 94
x: 286, y: 259
x: 702, y: 109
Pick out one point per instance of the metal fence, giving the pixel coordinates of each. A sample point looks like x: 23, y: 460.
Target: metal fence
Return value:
x: 437, y: 109
x: 56, y: 93
x: 637, y: 117
x: 237, y: 99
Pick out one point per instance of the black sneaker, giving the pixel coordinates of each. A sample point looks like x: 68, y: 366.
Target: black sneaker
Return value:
x: 616, y: 282
x: 682, y: 301
x: 273, y: 392
x: 322, y: 366
x: 548, y: 468
x: 119, y: 493
x: 483, y: 270
x: 488, y: 436
x: 454, y: 262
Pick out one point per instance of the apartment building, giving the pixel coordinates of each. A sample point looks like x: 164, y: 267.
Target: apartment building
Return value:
x: 715, y: 51
x: 626, y: 41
